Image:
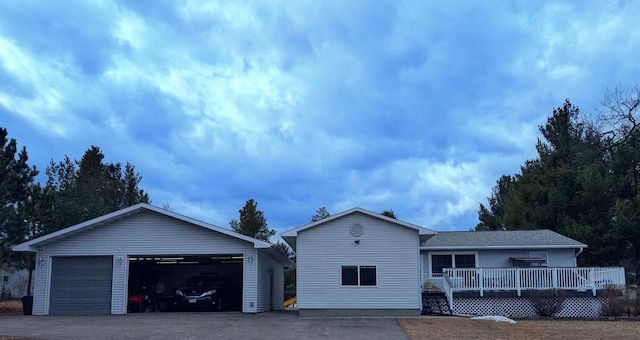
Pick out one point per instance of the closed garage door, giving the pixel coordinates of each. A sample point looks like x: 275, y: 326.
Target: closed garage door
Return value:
x: 81, y: 285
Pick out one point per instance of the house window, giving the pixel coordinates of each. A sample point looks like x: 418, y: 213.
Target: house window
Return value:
x: 441, y: 261
x: 359, y: 276
x: 540, y: 254
x: 349, y: 275
x: 465, y: 261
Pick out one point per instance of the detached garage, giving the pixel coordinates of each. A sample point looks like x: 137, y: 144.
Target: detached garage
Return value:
x: 94, y: 267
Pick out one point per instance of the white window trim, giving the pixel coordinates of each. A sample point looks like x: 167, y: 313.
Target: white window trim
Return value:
x: 453, y: 260
x: 537, y: 253
x: 358, y: 270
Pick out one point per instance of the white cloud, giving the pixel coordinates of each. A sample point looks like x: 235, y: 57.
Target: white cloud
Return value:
x: 415, y: 106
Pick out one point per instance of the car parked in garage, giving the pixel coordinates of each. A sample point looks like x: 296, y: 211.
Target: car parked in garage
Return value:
x: 199, y: 292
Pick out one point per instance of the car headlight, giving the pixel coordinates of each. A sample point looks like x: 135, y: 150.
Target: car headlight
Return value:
x: 179, y: 293
x: 211, y: 292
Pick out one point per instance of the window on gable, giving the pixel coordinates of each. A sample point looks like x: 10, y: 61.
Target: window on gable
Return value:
x: 359, y: 276
x: 368, y: 276
x: 349, y: 275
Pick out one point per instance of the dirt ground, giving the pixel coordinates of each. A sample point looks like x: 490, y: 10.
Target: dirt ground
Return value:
x: 465, y: 328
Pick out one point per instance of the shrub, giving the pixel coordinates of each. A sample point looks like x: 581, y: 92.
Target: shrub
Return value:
x: 5, y: 294
x: 547, y: 302
x: 613, y: 302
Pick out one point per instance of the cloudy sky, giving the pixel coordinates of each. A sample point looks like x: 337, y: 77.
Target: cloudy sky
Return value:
x: 416, y: 106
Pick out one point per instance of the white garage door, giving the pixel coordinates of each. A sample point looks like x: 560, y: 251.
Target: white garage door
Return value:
x: 81, y: 285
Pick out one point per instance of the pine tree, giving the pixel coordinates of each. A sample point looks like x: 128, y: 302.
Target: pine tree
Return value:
x: 321, y: 213
x: 252, y: 222
x: 89, y: 188
x: 16, y: 188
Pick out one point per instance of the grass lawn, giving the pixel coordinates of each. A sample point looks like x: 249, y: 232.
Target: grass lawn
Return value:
x: 464, y: 328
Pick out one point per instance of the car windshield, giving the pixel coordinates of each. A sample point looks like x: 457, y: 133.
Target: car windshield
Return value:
x: 199, y: 282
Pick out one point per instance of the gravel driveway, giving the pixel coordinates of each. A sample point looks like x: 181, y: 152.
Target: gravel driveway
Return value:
x: 272, y: 325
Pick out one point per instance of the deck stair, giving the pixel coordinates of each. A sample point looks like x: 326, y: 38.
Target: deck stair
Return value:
x: 435, y: 303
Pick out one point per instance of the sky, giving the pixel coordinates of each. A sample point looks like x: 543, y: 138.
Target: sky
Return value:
x: 416, y: 106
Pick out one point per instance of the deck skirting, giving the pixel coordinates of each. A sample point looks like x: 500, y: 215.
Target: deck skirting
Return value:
x: 520, y: 307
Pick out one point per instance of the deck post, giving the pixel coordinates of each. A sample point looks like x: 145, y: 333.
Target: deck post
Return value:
x: 592, y: 281
x: 518, y: 287
x: 554, y: 278
x: 481, y: 281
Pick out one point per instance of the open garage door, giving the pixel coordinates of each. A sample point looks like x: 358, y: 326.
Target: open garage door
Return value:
x: 185, y: 282
x: 81, y: 285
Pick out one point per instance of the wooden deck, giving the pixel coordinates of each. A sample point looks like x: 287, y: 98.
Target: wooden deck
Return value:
x: 481, y: 280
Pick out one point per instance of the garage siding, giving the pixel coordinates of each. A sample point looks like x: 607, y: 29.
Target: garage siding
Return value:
x: 270, y: 290
x: 250, y: 264
x: 119, y: 285
x: 81, y: 285
x: 145, y: 232
x: 40, y: 285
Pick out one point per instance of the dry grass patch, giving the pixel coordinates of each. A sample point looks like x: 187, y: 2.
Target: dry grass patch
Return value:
x: 10, y: 307
x: 464, y: 328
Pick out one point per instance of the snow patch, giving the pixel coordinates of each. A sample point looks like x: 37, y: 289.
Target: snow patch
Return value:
x: 496, y: 318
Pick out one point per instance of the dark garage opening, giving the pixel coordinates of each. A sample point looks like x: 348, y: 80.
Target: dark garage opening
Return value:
x: 157, y: 283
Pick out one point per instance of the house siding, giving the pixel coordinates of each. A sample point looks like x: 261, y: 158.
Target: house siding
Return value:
x: 143, y: 233
x: 269, y: 295
x: 393, y: 249
x: 500, y: 258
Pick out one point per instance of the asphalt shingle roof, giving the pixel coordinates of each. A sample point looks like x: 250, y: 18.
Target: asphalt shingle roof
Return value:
x: 501, y: 239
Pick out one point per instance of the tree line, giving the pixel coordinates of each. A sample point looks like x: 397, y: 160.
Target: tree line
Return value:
x: 75, y: 191
x: 584, y: 182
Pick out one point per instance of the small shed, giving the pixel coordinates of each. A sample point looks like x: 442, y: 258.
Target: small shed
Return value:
x: 93, y: 267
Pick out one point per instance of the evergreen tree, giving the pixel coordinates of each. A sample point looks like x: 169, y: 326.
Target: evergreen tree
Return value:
x: 16, y: 190
x: 89, y: 188
x: 389, y: 213
x: 252, y: 222
x: 321, y: 213
x: 565, y: 189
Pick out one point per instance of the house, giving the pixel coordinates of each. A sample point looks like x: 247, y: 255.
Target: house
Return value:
x: 358, y: 263
x: 93, y: 267
x: 362, y: 263
x: 13, y: 283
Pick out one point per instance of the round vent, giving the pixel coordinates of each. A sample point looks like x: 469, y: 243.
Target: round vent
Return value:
x: 356, y: 230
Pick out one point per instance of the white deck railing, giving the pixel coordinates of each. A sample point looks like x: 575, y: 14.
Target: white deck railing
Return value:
x: 542, y: 278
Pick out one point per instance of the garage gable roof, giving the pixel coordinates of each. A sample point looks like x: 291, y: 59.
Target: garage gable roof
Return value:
x: 291, y: 235
x: 123, y: 213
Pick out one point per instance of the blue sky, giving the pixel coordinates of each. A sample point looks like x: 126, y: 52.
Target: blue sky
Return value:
x: 416, y: 106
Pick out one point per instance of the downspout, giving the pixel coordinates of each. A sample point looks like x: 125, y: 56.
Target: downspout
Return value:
x: 580, y: 251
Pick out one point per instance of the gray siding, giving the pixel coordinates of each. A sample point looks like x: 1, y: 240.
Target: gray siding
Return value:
x: 143, y: 233
x: 393, y: 249
x: 269, y: 295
